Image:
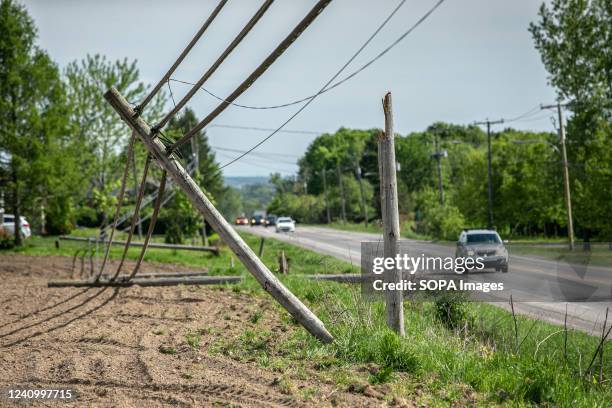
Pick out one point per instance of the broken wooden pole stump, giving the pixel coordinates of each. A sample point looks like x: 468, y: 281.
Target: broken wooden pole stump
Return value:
x: 254, y: 265
x: 283, y: 266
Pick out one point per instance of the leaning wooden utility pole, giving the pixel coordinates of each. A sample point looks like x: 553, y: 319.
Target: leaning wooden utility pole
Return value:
x: 182, y: 179
x: 390, y: 216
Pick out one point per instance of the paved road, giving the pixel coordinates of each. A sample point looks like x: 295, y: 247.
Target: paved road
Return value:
x: 529, y: 276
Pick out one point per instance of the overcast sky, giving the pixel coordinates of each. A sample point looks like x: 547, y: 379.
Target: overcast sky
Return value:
x: 472, y: 59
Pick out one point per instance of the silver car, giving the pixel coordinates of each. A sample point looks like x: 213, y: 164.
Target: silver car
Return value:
x: 485, y: 244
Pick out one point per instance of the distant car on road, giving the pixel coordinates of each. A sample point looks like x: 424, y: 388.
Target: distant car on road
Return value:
x: 285, y: 224
x: 485, y: 244
x: 242, y: 220
x: 270, y: 221
x: 8, y: 224
x: 257, y: 220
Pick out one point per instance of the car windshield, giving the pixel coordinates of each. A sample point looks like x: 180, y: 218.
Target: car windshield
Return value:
x: 483, y: 239
x: 284, y: 220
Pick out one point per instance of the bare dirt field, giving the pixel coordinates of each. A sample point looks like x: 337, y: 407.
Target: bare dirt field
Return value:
x: 127, y: 347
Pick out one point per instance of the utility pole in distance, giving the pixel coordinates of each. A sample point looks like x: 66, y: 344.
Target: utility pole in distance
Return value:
x: 325, y: 194
x: 566, y: 185
x: 364, y: 207
x: 342, y: 196
x: 490, y: 185
x: 390, y: 214
x: 438, y: 156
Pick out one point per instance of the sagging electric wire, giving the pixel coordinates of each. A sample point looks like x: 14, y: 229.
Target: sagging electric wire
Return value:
x: 421, y: 20
x: 335, y: 85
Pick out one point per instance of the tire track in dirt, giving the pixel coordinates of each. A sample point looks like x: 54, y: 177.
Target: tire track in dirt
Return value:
x: 227, y: 393
x: 101, y: 341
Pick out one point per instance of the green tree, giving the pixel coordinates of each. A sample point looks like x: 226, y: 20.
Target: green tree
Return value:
x: 179, y: 215
x: 208, y: 173
x: 574, y: 38
x: 99, y: 129
x: 34, y: 132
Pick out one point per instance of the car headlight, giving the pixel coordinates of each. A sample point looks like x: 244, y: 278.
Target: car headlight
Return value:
x: 470, y: 252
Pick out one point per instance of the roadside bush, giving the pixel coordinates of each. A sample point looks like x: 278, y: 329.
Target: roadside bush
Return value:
x: 451, y: 310
x: 6, y: 240
x: 380, y: 346
x: 88, y: 217
x: 60, y: 215
x: 180, y: 218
